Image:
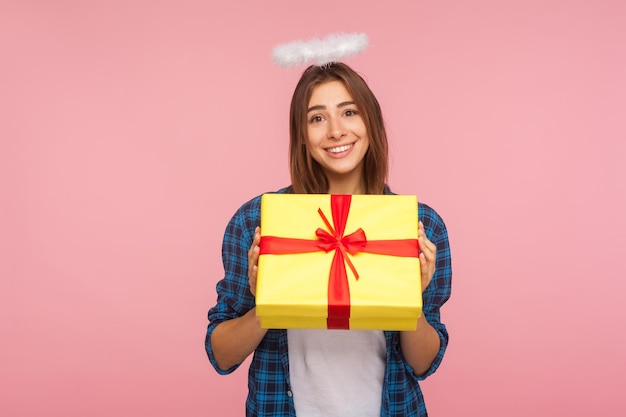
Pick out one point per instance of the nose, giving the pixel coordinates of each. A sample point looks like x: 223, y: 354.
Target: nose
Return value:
x: 336, y: 129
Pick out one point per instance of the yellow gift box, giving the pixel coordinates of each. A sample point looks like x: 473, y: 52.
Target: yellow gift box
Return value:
x: 339, y: 262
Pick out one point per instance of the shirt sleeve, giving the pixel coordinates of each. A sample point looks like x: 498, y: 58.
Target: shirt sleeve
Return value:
x: 233, y: 291
x: 440, y: 287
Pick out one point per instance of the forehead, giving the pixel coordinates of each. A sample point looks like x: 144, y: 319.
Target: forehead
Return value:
x: 329, y: 93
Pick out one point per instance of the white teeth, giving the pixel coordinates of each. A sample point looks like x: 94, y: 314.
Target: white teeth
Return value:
x: 339, y: 148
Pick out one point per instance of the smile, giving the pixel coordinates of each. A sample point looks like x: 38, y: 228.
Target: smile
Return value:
x: 340, y: 148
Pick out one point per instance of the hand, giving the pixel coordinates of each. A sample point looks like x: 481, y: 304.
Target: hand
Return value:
x: 253, y: 260
x: 428, y: 257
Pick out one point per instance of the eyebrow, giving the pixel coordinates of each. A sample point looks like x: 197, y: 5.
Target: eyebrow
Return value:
x: 322, y: 107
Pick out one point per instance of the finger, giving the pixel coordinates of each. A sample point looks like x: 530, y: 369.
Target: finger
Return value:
x: 425, y: 270
x: 253, y: 276
x: 252, y: 280
x: 428, y: 254
x: 426, y: 244
x: 423, y: 263
x: 252, y: 269
x: 430, y: 244
x: 422, y: 235
x: 253, y: 258
x: 428, y: 261
x: 256, y: 240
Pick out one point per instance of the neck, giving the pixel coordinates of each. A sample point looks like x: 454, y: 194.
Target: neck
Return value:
x: 346, y: 186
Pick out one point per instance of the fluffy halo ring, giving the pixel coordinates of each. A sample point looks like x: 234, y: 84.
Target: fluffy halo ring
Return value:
x: 332, y: 48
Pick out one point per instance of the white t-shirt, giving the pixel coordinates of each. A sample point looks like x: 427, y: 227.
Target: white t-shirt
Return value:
x: 336, y: 372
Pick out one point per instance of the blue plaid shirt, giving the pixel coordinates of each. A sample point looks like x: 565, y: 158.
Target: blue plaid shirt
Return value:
x: 269, y: 391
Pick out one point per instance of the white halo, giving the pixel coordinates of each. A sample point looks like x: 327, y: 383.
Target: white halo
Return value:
x: 332, y: 48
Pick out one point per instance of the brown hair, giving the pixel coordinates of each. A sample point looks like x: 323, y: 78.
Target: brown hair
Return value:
x: 307, y: 177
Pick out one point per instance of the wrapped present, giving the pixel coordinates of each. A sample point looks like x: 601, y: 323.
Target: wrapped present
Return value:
x: 339, y: 262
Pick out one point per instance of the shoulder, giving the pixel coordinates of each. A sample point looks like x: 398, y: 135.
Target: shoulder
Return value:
x: 433, y: 222
x: 240, y: 227
x: 251, y: 209
x: 427, y: 214
x: 434, y: 226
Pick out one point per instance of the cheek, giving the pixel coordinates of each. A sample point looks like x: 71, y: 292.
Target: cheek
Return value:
x: 307, y: 142
x: 358, y: 128
x: 309, y: 148
x: 313, y: 137
x: 365, y: 137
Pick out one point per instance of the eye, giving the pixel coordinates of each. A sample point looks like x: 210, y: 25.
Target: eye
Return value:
x: 351, y: 112
x: 315, y: 119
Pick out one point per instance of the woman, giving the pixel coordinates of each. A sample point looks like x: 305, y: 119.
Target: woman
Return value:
x: 338, y: 145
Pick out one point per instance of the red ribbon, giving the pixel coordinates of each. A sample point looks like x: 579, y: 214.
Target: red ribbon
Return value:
x: 338, y: 287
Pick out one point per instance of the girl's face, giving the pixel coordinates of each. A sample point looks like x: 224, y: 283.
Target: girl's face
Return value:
x: 336, y: 135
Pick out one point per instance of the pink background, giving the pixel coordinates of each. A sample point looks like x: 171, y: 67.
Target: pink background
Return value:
x: 132, y: 130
